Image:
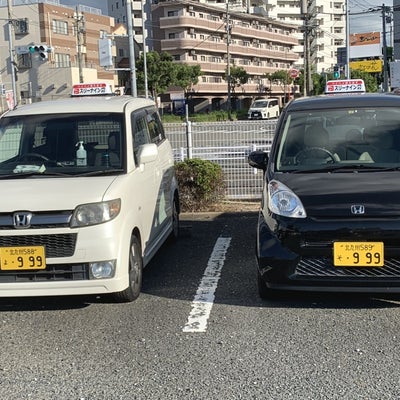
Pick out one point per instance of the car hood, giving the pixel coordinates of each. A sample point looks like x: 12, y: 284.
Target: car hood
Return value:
x: 43, y: 193
x: 334, y: 194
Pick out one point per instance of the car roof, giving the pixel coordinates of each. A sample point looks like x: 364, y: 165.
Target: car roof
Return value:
x: 95, y: 104
x: 343, y: 101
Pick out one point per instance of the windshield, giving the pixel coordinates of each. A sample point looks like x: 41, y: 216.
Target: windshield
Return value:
x: 340, y: 138
x: 67, y: 144
x: 259, y: 104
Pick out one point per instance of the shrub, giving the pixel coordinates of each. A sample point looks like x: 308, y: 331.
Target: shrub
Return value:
x: 201, y: 184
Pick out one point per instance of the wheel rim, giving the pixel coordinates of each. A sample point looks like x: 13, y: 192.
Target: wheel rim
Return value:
x: 135, y: 268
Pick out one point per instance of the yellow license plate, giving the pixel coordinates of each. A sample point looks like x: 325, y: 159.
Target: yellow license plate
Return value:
x: 22, y: 258
x: 358, y: 254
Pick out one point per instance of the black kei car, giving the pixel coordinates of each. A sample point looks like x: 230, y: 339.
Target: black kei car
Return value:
x: 330, y: 210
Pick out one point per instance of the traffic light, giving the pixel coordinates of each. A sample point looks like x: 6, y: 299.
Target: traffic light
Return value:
x: 41, y: 49
x: 336, y: 71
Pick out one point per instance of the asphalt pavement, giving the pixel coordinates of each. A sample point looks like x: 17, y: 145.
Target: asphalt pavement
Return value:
x: 302, y: 347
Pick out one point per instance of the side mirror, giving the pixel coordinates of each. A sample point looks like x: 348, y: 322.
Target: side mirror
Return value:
x: 147, y: 153
x: 258, y: 159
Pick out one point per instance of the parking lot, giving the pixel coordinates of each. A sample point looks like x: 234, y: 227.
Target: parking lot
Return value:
x: 200, y: 331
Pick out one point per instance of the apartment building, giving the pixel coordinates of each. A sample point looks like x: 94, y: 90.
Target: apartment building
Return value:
x: 197, y: 33
x: 326, y: 25
x: 71, y: 33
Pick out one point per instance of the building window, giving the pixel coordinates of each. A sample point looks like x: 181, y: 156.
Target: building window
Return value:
x: 121, y: 52
x: 62, y: 60
x: 172, y: 13
x: 60, y: 27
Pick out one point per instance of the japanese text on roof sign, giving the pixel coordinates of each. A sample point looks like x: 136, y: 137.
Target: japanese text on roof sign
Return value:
x: 345, y: 86
x: 90, y: 89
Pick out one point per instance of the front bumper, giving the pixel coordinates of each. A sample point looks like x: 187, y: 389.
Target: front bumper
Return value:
x: 291, y: 258
x: 69, y: 253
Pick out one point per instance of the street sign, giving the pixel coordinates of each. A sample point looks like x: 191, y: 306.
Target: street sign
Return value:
x: 21, y: 49
x: 294, y: 73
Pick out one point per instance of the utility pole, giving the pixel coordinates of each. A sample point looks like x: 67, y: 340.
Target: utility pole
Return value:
x: 307, y: 31
x: 132, y: 62
x: 11, y: 51
x: 228, y: 59
x: 348, y: 74
x: 79, y: 22
x: 144, y: 35
x: 384, y: 46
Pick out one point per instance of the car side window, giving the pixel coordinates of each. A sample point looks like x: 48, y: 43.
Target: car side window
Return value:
x: 156, y: 130
x: 140, y: 132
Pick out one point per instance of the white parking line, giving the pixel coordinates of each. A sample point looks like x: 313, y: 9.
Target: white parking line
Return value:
x: 205, y: 295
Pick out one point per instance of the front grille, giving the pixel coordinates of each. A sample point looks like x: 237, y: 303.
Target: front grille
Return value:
x: 60, y: 245
x: 39, y: 220
x: 322, y: 267
x: 63, y: 272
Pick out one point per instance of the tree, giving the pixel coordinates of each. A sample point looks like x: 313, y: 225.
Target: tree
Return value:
x: 238, y: 77
x: 282, y: 78
x: 161, y: 72
x: 187, y: 76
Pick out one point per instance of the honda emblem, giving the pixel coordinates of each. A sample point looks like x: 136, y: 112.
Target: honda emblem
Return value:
x: 357, y: 209
x: 22, y: 220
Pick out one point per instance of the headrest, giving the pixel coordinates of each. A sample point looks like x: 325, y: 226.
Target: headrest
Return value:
x: 379, y: 136
x: 316, y: 136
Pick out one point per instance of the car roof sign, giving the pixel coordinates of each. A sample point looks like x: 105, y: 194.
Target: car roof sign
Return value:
x: 91, y: 89
x: 345, y: 86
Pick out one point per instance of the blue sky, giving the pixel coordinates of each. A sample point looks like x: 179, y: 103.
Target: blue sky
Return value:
x: 367, y: 22
x: 102, y: 4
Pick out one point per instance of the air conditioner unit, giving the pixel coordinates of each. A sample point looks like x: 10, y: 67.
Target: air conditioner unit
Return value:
x: 192, y: 52
x: 190, y: 8
x: 191, y: 31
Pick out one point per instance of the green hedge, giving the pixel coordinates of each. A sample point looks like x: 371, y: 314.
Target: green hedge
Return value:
x: 201, y: 184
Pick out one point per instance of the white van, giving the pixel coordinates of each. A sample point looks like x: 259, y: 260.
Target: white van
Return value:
x: 264, y: 109
x: 89, y: 195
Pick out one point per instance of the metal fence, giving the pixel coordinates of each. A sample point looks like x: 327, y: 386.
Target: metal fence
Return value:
x: 227, y: 143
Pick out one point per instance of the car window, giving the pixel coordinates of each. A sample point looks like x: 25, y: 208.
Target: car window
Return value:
x: 53, y: 140
x: 324, y: 137
x: 155, y: 127
x: 140, y: 132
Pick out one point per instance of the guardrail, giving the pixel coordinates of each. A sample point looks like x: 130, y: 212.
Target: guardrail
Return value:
x: 227, y: 143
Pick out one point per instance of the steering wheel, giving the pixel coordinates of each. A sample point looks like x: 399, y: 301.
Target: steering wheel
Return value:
x: 305, y: 153
x: 40, y: 157
x: 34, y: 155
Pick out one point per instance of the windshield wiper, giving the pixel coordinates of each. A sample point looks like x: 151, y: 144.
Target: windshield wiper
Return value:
x: 101, y: 172
x: 33, y: 174
x: 345, y: 168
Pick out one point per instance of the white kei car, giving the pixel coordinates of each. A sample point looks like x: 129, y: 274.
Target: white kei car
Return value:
x: 89, y: 195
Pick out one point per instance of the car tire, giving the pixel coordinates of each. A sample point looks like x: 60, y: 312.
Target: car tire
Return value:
x: 132, y: 292
x: 173, y: 237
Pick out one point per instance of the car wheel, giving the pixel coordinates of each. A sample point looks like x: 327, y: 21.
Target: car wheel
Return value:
x: 132, y: 292
x: 175, y: 222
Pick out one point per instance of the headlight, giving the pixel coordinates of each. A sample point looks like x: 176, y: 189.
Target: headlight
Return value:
x: 95, y: 213
x: 282, y: 201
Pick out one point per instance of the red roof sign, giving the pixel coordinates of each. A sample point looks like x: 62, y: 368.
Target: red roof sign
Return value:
x: 90, y: 89
x: 345, y: 86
